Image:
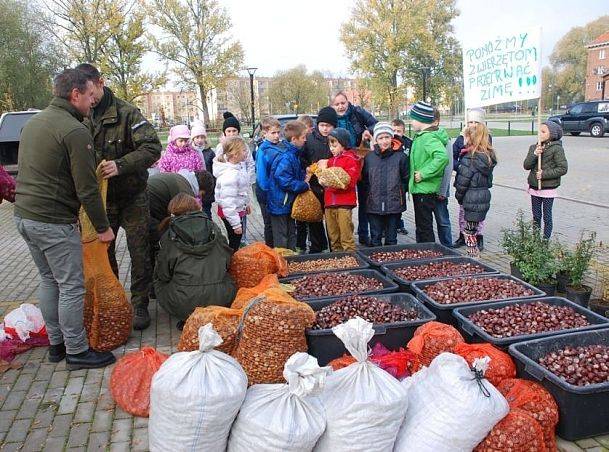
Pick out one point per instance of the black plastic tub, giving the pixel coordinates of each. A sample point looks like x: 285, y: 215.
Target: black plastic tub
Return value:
x: 444, y: 311
x: 405, y: 284
x: 474, y: 333
x: 388, y: 285
x: 584, y: 410
x: 325, y: 346
x: 367, y: 252
x: 361, y: 263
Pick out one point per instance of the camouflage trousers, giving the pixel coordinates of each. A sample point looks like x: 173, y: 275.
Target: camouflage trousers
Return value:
x: 133, y: 215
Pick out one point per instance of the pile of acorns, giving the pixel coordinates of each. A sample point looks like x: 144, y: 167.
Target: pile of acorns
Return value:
x: 316, y: 265
x: 469, y: 290
x: 372, y: 309
x: 529, y: 318
x: 580, y: 366
x: 332, y: 284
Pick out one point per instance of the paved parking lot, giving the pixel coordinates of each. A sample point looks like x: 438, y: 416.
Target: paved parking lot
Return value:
x: 43, y: 406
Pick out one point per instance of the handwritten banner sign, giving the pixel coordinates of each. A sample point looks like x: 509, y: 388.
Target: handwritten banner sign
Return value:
x: 505, y: 68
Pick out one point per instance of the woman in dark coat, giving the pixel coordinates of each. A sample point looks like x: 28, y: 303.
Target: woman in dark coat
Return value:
x: 474, y: 180
x: 360, y: 124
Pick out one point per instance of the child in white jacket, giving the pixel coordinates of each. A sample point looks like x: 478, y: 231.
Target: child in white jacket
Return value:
x: 232, y: 188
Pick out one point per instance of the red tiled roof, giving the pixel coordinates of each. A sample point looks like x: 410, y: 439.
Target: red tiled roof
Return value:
x: 601, y: 39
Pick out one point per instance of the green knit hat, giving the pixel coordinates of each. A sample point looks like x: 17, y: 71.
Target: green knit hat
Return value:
x: 422, y: 112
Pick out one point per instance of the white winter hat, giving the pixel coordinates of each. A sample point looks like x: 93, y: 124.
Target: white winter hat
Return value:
x: 476, y: 115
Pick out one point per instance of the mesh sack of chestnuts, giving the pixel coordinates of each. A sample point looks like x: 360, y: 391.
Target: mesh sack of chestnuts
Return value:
x: 517, y: 432
x: 432, y: 339
x: 334, y: 177
x: 107, y: 312
x: 307, y: 208
x: 271, y: 330
x: 252, y: 263
x: 245, y: 294
x: 132, y: 377
x: 501, y: 366
x: 536, y: 401
x: 224, y: 320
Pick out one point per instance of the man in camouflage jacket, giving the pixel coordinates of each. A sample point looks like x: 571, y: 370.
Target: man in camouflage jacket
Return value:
x: 129, y: 145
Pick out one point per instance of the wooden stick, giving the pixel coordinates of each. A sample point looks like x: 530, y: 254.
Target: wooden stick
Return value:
x: 539, y: 139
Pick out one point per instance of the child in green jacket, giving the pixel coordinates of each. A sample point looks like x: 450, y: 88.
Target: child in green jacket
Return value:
x: 427, y: 162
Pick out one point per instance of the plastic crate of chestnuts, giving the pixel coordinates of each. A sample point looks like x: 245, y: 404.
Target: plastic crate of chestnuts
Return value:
x: 383, y: 255
x: 508, y: 322
x: 442, y: 296
x: 574, y: 368
x: 395, y: 317
x: 324, y: 262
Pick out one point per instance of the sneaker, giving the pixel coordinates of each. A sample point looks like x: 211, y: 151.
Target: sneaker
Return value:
x: 89, y: 360
x: 480, y: 239
x: 460, y: 241
x: 57, y: 352
x: 364, y: 241
x: 141, y: 318
x: 402, y: 231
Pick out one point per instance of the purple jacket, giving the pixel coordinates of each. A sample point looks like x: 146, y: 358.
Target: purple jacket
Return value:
x: 7, y: 186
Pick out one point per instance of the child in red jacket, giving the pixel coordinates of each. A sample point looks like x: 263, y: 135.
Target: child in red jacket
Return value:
x: 340, y: 202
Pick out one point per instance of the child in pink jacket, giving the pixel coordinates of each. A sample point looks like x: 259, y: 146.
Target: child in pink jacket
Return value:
x: 179, y: 155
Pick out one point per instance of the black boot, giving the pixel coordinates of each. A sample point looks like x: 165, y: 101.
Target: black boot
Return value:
x: 460, y: 241
x: 89, y: 360
x: 57, y: 352
x: 480, y: 240
x: 180, y: 324
x: 141, y: 318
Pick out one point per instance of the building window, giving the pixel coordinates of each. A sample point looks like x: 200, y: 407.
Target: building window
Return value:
x: 601, y: 54
x: 599, y: 86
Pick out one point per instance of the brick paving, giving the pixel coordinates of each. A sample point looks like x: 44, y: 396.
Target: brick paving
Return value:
x: 45, y: 407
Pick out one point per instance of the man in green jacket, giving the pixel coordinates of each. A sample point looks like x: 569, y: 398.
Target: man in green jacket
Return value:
x: 56, y: 176
x: 427, y: 162
x: 129, y: 145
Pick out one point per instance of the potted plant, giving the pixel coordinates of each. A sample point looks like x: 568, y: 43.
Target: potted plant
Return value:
x: 539, y: 267
x: 577, y: 262
x: 517, y: 243
x: 562, y: 268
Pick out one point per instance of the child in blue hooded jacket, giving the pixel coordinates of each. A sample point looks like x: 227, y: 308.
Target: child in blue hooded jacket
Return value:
x: 287, y: 179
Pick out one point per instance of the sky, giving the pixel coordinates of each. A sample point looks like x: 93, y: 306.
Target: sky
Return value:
x: 278, y: 35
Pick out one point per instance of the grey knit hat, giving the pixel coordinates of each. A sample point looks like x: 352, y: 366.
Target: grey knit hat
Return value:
x: 555, y: 130
x: 342, y: 136
x: 382, y: 127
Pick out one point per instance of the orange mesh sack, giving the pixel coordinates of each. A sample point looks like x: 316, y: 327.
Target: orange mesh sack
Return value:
x: 245, y: 294
x: 517, y: 432
x: 343, y: 361
x: 432, y: 339
x: 224, y: 320
x: 252, y: 263
x: 131, y: 379
x: 307, y: 208
x: 501, y: 366
x: 272, y: 329
x: 334, y: 177
x: 107, y: 312
x: 535, y: 400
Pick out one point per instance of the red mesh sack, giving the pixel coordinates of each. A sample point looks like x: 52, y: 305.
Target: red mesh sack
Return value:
x: 343, y: 361
x: 535, y: 400
x: 246, y: 294
x: 401, y: 364
x: 224, y: 320
x: 517, y: 432
x: 432, y: 339
x: 252, y: 263
x: 501, y: 366
x: 131, y: 379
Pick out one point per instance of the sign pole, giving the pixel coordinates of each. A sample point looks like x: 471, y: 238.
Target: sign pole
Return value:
x: 539, y: 107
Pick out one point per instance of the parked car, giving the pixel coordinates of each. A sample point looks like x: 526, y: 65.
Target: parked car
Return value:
x: 11, y: 124
x: 257, y: 137
x: 592, y: 117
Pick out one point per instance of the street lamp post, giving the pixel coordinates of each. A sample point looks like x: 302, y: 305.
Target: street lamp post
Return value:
x: 251, y: 71
x: 426, y: 71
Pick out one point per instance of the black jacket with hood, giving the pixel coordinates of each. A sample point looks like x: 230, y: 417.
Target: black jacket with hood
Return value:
x: 472, y: 185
